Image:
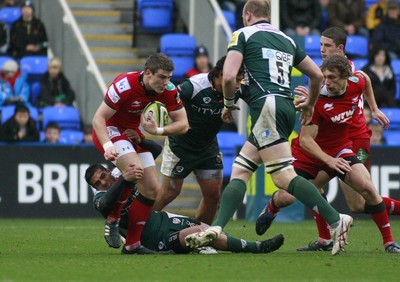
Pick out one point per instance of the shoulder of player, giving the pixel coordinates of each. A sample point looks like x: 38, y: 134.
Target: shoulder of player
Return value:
x: 170, y: 88
x: 126, y: 81
x: 358, y: 78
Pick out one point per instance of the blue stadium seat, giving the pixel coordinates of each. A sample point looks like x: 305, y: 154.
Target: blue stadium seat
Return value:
x: 393, y: 115
x: 180, y: 48
x: 71, y: 137
x: 4, y: 59
x: 392, y: 137
x: 318, y: 61
x: 359, y: 63
x: 396, y: 68
x: 230, y: 18
x: 8, y: 111
x: 66, y: 117
x: 369, y: 3
x: 10, y: 14
x: 35, y: 92
x: 229, y: 142
x: 161, y: 10
x: 312, y: 45
x: 34, y: 67
x: 357, y: 46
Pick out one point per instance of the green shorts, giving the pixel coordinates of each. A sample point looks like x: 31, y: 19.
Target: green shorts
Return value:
x: 161, y: 232
x: 178, y: 162
x: 273, y: 119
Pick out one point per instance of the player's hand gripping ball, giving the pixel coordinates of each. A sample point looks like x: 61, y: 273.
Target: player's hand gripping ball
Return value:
x: 158, y: 111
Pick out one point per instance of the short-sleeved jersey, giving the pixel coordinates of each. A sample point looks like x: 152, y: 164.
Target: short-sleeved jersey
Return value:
x: 334, y: 115
x: 268, y: 57
x: 128, y: 96
x: 203, y: 106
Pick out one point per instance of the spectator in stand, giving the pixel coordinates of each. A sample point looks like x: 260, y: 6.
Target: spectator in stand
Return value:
x: 3, y: 38
x: 13, y: 85
x: 55, y: 89
x: 20, y: 127
x: 387, y: 33
x: 300, y: 18
x: 377, y: 134
x: 382, y: 77
x: 375, y: 14
x: 349, y: 15
x: 28, y: 34
x: 87, y: 135
x: 52, y: 133
x: 324, y: 15
x: 10, y: 3
x: 201, y: 64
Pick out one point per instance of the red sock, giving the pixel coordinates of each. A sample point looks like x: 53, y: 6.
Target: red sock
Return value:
x: 271, y: 208
x: 139, y: 212
x: 115, y: 213
x: 382, y: 221
x: 323, y: 227
x: 392, y: 206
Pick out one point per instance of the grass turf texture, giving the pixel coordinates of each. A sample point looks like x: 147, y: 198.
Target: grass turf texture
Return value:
x: 55, y: 250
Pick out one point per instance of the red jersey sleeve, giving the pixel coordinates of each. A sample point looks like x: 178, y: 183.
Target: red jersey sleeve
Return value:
x: 171, y: 98
x: 117, y: 92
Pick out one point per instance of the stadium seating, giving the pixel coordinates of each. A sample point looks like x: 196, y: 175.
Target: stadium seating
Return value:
x: 8, y: 111
x: 312, y: 45
x: 229, y: 142
x: 393, y: 115
x: 4, y: 59
x: 65, y: 117
x: 180, y: 48
x: 369, y: 3
x: 156, y: 9
x: 35, y: 93
x: 359, y: 63
x: 71, y: 137
x: 392, y: 137
x: 396, y: 68
x: 357, y: 46
x: 230, y: 18
x: 10, y: 14
x: 34, y: 67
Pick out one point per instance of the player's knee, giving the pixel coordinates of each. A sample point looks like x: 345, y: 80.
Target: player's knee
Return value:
x: 212, y: 197
x: 283, y: 199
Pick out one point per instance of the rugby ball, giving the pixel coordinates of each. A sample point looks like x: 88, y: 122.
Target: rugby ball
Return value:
x: 158, y: 111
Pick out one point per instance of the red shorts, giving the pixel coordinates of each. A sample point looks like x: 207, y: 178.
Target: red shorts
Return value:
x: 362, y: 148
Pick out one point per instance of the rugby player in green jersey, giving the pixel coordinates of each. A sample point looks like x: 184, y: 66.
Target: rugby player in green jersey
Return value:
x: 268, y: 56
x: 197, y: 150
x: 163, y: 231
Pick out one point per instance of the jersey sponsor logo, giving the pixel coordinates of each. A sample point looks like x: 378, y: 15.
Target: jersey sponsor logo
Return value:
x: 112, y: 94
x: 176, y: 220
x: 354, y: 79
x: 234, y: 39
x: 178, y: 98
x: 206, y: 100
x: 354, y: 100
x: 272, y: 54
x: 265, y: 134
x: 343, y: 117
x: 113, y: 132
x: 207, y: 111
x: 161, y: 245
x: 123, y: 85
x: 362, y: 155
x: 170, y: 86
x: 179, y: 168
x: 328, y: 107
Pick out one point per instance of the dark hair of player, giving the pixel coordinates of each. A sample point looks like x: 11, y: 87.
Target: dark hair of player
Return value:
x: 337, y: 34
x: 159, y: 61
x: 259, y: 8
x: 91, y: 170
x: 217, y: 69
x: 337, y: 63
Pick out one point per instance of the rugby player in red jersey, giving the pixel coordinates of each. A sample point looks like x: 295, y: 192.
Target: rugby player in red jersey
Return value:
x: 325, y: 144
x: 122, y: 110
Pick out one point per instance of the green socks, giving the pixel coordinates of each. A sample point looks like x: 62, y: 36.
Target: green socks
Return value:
x: 231, y: 199
x: 241, y: 246
x: 309, y: 195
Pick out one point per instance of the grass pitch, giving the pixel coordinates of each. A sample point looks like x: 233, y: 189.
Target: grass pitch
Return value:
x: 60, y: 250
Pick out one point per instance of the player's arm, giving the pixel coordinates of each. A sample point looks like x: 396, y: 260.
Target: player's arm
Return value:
x: 232, y: 66
x: 179, y: 124
x: 104, y: 113
x: 377, y: 114
x: 307, y: 142
x: 309, y: 68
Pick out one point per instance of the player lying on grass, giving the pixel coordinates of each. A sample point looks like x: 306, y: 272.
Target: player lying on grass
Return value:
x: 325, y: 146
x: 163, y: 231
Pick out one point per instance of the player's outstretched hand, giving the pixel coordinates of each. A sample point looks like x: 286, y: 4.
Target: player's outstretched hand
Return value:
x: 307, y: 112
x: 133, y: 173
x: 132, y: 135
x: 226, y: 114
x: 340, y: 165
x: 381, y: 118
x: 111, y: 154
x: 149, y: 124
